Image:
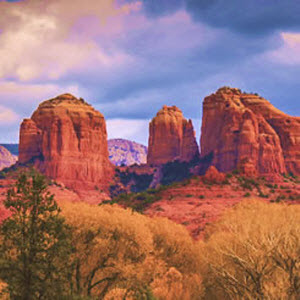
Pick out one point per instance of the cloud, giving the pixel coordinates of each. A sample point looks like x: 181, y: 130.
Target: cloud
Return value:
x: 253, y: 17
x: 7, y: 116
x: 289, y: 53
x: 161, y: 8
x: 37, y: 40
x: 134, y: 130
x: 171, y: 52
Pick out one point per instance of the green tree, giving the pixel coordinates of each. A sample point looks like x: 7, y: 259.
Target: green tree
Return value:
x: 35, y: 242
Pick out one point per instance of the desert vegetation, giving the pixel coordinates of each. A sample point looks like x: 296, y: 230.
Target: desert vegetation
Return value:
x: 82, y: 251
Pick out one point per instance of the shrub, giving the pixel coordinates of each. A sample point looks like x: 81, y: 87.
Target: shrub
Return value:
x: 262, y: 195
x: 229, y: 176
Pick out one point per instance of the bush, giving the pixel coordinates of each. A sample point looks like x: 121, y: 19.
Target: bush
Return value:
x: 262, y: 195
x: 137, y: 201
x: 229, y: 176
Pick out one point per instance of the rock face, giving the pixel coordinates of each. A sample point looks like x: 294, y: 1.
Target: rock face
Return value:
x: 67, y: 140
x: 286, y: 127
x: 125, y: 152
x: 171, y: 137
x: 6, y: 158
x: 246, y: 132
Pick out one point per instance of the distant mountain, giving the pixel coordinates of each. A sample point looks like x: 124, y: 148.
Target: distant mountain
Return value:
x: 6, y: 158
x: 125, y: 152
x: 12, y: 148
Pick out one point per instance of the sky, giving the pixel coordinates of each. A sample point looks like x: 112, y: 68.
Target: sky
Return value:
x: 130, y: 57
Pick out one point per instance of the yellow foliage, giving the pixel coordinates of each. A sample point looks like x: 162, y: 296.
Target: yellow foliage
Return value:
x: 251, y: 253
x: 117, y: 294
x: 111, y: 244
x: 254, y: 253
x: 176, y: 286
x: 174, y: 245
x: 4, y: 295
x: 119, y: 251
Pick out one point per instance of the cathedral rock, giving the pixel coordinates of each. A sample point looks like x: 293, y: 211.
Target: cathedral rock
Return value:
x: 171, y: 137
x: 244, y: 131
x: 66, y: 139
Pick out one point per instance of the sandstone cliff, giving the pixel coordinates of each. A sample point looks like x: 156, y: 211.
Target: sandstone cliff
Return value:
x: 67, y: 140
x: 125, y: 152
x: 245, y: 131
x: 6, y: 158
x: 171, y: 137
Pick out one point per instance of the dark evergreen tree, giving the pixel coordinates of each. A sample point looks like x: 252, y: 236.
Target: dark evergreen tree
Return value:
x: 35, y: 242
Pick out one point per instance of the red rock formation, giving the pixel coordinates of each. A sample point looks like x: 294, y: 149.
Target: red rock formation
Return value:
x: 245, y: 131
x: 171, y: 137
x: 67, y: 139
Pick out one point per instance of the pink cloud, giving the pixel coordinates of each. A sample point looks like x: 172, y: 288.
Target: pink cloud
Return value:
x: 7, y: 116
x: 36, y: 43
x: 289, y: 52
